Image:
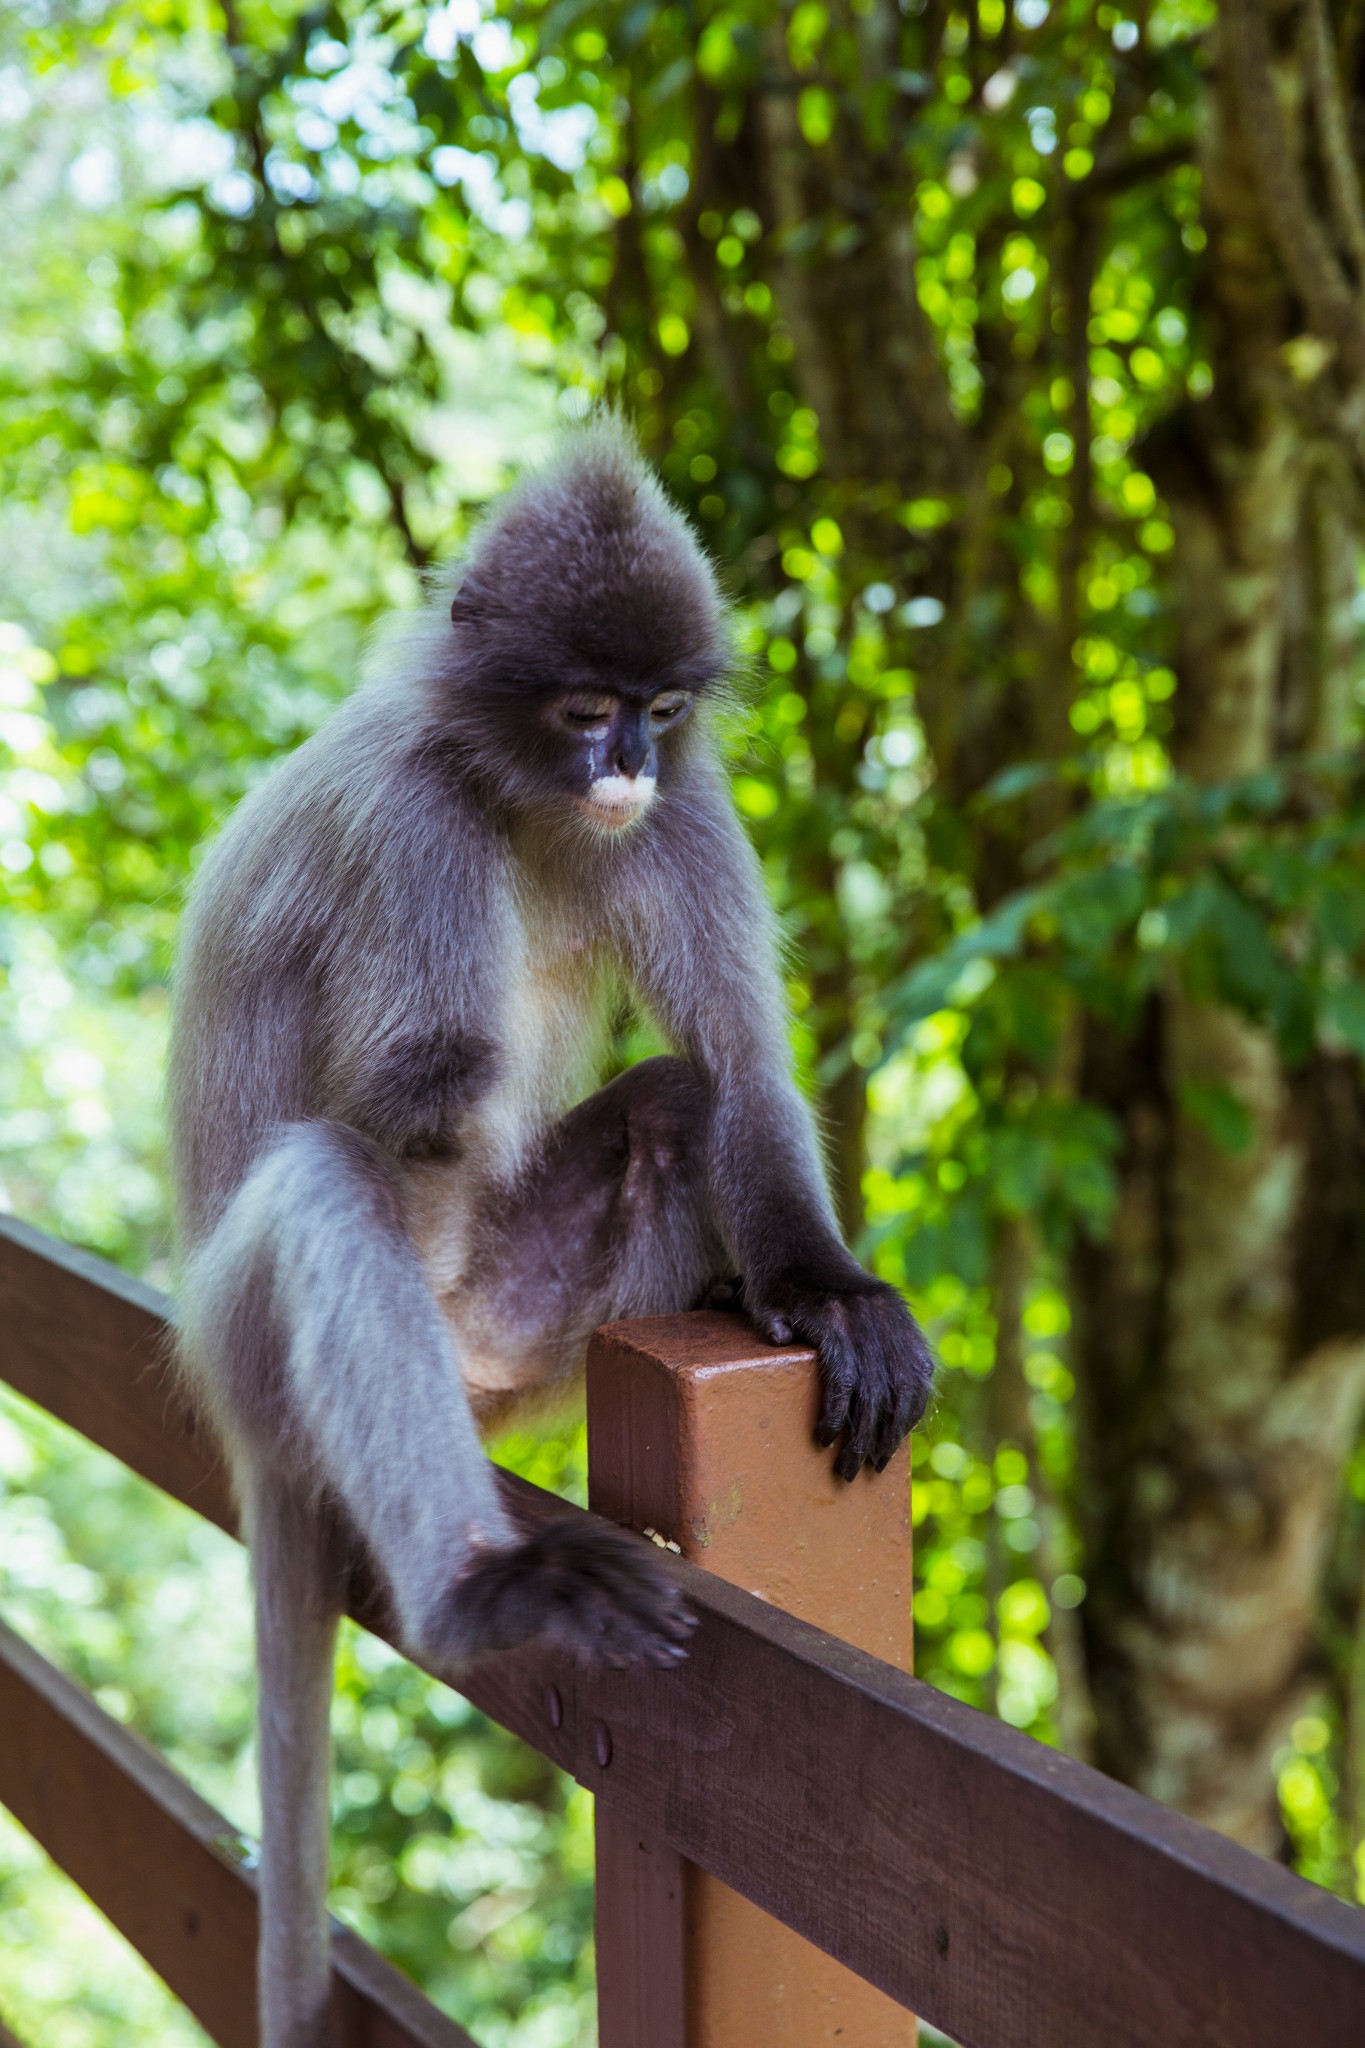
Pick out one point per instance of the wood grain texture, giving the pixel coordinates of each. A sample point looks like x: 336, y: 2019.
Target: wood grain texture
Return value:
x: 1008, y: 1894
x: 167, y: 1869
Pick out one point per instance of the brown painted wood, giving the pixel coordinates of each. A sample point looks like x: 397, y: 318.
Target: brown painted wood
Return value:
x: 7, y: 2039
x: 1008, y: 1894
x: 643, y: 1952
x: 710, y: 1443
x: 93, y: 1347
x: 167, y: 1869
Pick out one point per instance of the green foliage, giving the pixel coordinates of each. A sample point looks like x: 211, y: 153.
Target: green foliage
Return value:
x: 290, y: 291
x: 1250, y: 892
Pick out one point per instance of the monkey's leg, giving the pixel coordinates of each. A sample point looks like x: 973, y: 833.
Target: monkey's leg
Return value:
x: 309, y: 1314
x: 299, y: 1586
x: 612, y: 1220
x: 326, y: 1348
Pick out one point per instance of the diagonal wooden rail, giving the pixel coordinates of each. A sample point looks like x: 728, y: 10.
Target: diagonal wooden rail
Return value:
x: 166, y: 1868
x: 1011, y: 1896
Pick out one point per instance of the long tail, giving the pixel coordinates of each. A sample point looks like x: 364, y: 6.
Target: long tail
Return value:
x: 299, y: 1585
x: 308, y: 1319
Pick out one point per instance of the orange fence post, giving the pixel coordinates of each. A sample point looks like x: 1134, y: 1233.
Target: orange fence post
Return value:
x: 701, y: 1435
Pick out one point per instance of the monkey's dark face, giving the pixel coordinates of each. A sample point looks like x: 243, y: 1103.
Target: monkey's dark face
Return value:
x: 607, y: 747
x: 586, y: 622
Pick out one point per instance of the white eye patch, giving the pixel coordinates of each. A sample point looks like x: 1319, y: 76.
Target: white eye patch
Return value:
x: 618, y: 794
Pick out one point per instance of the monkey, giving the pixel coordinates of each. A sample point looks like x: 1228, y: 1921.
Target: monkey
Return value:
x: 404, y: 1200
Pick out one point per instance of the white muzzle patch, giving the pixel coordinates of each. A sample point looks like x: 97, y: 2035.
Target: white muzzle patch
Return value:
x: 616, y: 799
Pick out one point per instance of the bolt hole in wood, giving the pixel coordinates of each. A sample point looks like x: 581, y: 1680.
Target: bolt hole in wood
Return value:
x: 554, y: 1706
x: 601, y: 1744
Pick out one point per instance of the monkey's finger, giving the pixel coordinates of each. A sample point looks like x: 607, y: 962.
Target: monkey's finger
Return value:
x: 665, y: 1655
x: 864, y: 1430
x: 838, y: 1377
x: 914, y: 1388
x: 619, y: 1641
x: 871, y: 1394
x: 833, y: 1413
x: 771, y: 1325
x: 893, y: 1424
x: 831, y: 1429
x: 897, y: 1371
x: 896, y: 1425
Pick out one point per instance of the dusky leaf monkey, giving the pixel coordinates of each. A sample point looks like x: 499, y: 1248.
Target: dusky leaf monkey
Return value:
x: 402, y: 1208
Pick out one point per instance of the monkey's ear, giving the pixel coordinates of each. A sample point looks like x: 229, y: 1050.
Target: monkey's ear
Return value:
x: 469, y: 603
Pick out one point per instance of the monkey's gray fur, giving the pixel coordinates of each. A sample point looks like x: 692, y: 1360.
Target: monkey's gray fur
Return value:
x: 402, y: 1210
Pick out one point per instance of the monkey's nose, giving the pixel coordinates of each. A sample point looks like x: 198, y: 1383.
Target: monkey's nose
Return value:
x: 632, y: 754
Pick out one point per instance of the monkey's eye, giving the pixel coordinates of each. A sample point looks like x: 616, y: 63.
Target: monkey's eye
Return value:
x: 585, y: 714
x: 664, y: 710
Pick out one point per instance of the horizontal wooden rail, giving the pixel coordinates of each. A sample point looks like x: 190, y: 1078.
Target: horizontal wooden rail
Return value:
x: 167, y: 1869
x: 1008, y: 1894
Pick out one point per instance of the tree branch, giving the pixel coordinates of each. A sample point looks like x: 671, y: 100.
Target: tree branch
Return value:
x: 1121, y: 174
x: 1329, y: 111
x: 1304, y: 249
x: 257, y: 142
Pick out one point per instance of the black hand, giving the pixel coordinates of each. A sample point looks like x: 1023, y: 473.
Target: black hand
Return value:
x: 876, y: 1368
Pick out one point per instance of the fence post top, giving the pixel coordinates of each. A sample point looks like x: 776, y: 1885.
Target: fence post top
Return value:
x: 703, y: 1436
x: 698, y: 1344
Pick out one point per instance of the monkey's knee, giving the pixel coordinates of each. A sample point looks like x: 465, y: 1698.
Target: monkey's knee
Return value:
x: 667, y: 1112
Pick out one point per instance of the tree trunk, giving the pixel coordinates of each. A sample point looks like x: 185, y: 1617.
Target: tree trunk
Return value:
x: 1222, y: 1368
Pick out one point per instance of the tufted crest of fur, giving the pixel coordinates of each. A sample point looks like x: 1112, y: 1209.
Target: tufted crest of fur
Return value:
x: 587, y: 569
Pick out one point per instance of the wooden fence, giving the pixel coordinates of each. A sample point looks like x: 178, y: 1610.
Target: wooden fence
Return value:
x: 1011, y: 1896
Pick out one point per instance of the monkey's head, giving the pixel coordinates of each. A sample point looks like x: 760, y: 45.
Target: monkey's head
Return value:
x: 587, y: 627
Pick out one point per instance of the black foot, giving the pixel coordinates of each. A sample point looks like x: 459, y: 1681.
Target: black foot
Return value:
x: 596, y: 1592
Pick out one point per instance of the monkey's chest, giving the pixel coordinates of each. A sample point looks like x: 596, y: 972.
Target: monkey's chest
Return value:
x: 551, y: 1042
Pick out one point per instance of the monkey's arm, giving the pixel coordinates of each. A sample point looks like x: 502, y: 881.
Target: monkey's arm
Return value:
x: 409, y: 976
x: 708, y: 968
